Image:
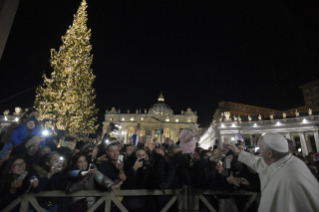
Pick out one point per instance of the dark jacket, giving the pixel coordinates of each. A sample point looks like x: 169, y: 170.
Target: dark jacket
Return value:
x: 173, y: 171
x: 136, y: 179
x: 205, y: 175
x: 107, y: 168
x: 20, y: 150
x: 7, y: 197
x: 56, y: 182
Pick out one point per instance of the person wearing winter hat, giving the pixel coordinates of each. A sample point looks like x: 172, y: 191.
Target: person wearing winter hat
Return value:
x: 286, y: 182
x: 188, y: 139
x: 28, y: 127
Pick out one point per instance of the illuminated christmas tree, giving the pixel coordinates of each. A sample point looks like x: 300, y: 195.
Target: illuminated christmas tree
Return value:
x: 66, y: 100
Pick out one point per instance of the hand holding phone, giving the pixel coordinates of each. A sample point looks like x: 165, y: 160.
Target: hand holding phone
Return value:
x: 138, y: 164
x: 92, y: 166
x: 23, y: 175
x: 67, y: 144
x: 60, y: 163
x: 120, y: 158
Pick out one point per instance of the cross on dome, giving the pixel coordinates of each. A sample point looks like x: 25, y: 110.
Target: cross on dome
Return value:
x: 161, y: 98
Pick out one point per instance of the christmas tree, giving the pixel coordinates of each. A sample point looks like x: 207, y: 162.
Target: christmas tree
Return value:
x: 66, y: 100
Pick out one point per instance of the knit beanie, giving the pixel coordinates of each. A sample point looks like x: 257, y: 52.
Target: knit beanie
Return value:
x: 32, y: 118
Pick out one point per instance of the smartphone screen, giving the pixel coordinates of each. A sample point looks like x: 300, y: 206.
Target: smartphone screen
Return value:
x: 6, y: 148
x: 67, y: 144
x: 92, y: 166
x: 228, y: 163
x: 23, y: 174
x: 60, y: 162
x: 121, y: 157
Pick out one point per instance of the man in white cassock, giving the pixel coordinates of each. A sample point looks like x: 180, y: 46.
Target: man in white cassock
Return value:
x: 287, y: 185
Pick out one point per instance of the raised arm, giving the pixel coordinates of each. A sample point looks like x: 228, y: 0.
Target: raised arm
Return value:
x: 102, y: 179
x: 249, y: 159
x: 245, y: 157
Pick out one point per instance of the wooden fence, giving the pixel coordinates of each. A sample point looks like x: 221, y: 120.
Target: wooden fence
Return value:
x: 187, y: 198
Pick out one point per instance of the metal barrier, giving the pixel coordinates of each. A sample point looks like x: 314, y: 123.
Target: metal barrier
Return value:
x: 187, y: 199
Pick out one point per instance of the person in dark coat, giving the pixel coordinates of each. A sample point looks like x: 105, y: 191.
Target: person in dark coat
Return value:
x: 137, y: 169
x: 12, y: 185
x: 112, y: 169
x: 26, y: 128
x: 6, y: 138
x: 83, y: 177
x: 28, y: 149
x: 206, y: 174
x: 51, y: 178
x: 172, y: 173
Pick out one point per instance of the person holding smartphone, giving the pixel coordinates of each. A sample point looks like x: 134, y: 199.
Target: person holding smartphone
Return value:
x: 137, y: 169
x: 86, y: 177
x: 14, y: 181
x: 50, y: 170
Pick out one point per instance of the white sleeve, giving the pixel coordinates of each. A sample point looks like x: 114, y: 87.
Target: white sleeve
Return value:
x: 249, y: 159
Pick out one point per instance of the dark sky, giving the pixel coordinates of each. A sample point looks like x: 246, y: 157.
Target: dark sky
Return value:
x: 197, y: 52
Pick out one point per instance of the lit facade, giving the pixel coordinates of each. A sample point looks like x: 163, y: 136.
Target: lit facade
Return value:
x: 302, y: 130
x: 6, y: 119
x: 159, y: 117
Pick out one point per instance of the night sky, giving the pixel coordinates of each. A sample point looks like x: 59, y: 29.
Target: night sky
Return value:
x: 197, y: 52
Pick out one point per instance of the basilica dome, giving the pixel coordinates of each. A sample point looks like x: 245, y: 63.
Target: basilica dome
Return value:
x: 160, y: 108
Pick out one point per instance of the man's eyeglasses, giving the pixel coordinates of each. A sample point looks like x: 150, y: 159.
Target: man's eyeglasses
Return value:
x: 16, y: 166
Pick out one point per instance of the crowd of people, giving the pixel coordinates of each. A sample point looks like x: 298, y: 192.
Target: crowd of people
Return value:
x: 38, y: 163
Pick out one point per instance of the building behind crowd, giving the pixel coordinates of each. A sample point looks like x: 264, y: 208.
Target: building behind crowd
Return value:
x: 159, y: 121
x: 235, y: 121
x: 6, y: 119
x: 311, y: 98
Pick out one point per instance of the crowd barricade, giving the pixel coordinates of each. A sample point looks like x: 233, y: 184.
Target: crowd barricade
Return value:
x: 187, y: 198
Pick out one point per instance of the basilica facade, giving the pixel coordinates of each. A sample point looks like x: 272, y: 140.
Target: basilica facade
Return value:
x: 159, y: 121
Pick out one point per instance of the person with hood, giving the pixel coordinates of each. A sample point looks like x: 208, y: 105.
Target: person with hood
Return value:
x: 26, y: 128
x: 188, y: 139
x: 6, y: 138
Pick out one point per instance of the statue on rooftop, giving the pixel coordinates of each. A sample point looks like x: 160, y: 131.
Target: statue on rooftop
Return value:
x: 227, y: 115
x: 284, y: 114
x: 260, y: 117
x: 310, y: 111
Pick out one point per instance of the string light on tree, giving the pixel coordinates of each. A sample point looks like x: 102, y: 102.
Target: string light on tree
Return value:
x: 69, y: 93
